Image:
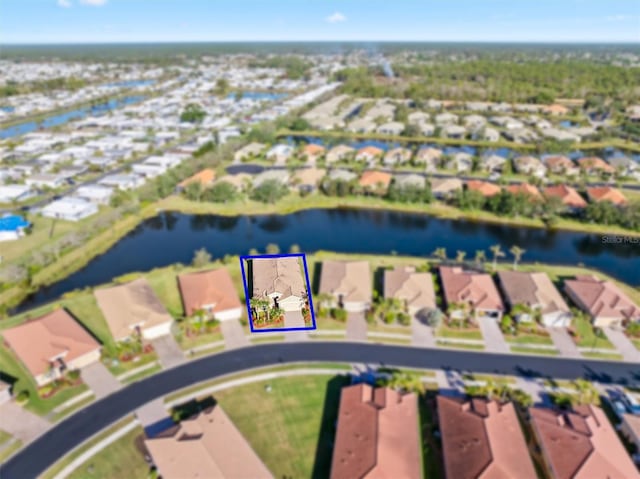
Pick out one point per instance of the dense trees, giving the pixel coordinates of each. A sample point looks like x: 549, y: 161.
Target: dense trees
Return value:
x: 193, y: 113
x: 269, y: 191
x: 295, y: 67
x: 409, y: 193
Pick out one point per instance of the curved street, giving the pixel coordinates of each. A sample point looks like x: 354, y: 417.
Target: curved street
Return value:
x: 62, y: 438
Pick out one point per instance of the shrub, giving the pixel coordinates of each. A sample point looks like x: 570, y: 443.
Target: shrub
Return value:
x: 404, y: 319
x: 339, y: 314
x: 73, y: 375
x: 23, y: 396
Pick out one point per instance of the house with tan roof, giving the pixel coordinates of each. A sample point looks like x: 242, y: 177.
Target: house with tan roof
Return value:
x: 428, y: 156
x: 556, y: 109
x: 52, y: 344
x: 536, y: 292
x: 568, y: 195
x: 606, y: 193
x: 397, y: 156
x: 252, y: 150
x: 525, y: 189
x: 369, y: 154
x: 133, y: 309
x: 561, y: 165
x: 339, y: 152
x: 414, y: 289
x: 581, y: 444
x: 485, y: 188
x: 603, y: 300
x: 375, y: 181
x: 593, y: 165
x: 482, y: 439
x: 469, y: 290
x: 348, y: 282
x: 443, y: 188
x: 280, y: 279
x: 529, y: 165
x: 308, y: 179
x: 211, y: 291
x: 377, y: 434
x: 205, y: 446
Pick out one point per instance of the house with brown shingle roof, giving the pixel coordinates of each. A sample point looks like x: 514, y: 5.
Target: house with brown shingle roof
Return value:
x: 205, y: 446
x: 537, y: 292
x: 52, y: 344
x: 464, y: 290
x: 279, y: 279
x: 581, y: 444
x: 211, y: 291
x: 593, y: 165
x: 568, y: 195
x: 348, y: 282
x: 485, y: 188
x: 132, y: 309
x: 377, y: 435
x: 482, y: 439
x: 603, y: 300
x: 372, y: 180
x: 606, y: 193
x: 414, y: 289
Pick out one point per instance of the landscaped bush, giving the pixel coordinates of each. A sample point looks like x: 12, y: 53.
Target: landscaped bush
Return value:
x: 22, y: 397
x: 404, y: 319
x: 339, y: 314
x: 74, y: 375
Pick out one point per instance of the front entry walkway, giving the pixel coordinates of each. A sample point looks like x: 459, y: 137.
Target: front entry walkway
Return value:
x: 22, y: 424
x: 493, y: 338
x: 233, y: 334
x: 99, y: 379
x: 169, y: 353
x: 356, y: 327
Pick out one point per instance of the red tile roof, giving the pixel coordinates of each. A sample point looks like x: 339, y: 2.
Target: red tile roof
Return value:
x: 524, y: 188
x: 591, y: 163
x: 373, y: 178
x: 606, y: 193
x: 601, y: 298
x: 483, y: 187
x: 568, y: 195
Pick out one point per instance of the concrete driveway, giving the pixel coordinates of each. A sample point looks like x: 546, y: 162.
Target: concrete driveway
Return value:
x: 563, y: 342
x: 623, y: 344
x: 493, y: 338
x: 356, y: 326
x: 421, y: 334
x: 293, y: 319
x: 20, y: 423
x: 169, y: 353
x: 99, y: 379
x: 233, y: 334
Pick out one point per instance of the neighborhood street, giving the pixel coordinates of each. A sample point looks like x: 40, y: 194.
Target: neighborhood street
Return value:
x: 63, y: 437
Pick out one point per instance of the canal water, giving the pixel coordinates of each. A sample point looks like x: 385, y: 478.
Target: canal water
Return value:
x: 170, y: 237
x: 62, y: 118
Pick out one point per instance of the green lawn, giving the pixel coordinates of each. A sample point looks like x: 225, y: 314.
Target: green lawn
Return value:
x: 528, y: 339
x: 117, y: 460
x: 292, y: 427
x: 540, y: 351
x: 4, y: 436
x: 375, y: 339
x: 121, y: 367
x: 388, y: 328
x: 474, y: 347
x: 330, y: 323
x: 447, y: 332
x: 257, y: 339
x: 190, y: 342
x: 9, y: 450
x: 597, y: 355
x: 142, y: 374
x: 636, y: 342
x: 587, y: 336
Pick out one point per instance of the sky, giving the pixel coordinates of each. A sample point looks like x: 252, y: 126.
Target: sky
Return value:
x: 101, y: 21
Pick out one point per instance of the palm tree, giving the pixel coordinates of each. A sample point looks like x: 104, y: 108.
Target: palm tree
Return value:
x: 440, y: 253
x: 460, y: 256
x: 517, y: 253
x: 497, y: 252
x: 480, y: 257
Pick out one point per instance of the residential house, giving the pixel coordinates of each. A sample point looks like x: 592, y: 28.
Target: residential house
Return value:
x: 280, y: 153
x: 492, y: 162
x: 211, y: 291
x: 529, y: 165
x: 369, y: 154
x: 338, y: 153
x: 460, y: 162
x: 606, y: 193
x: 556, y: 109
x: 280, y: 176
x: 418, y: 117
x: 633, y: 112
x: 12, y: 227
x: 592, y: 165
x: 485, y: 188
x: 279, y: 279
x: 489, y: 134
x: 17, y: 193
x: 568, y: 195
x: 312, y: 152
x: 308, y: 179
x: 561, y: 165
x: 394, y: 128
x: 397, y: 156
x: 51, y: 345
x: 474, y: 122
x: 250, y: 151
x: 580, y: 444
x: 45, y: 180
x: 204, y: 177
x: 414, y: 289
x: 206, y: 445
x: 630, y: 428
x: 100, y: 195
x: 348, y: 282
x: 428, y: 156
x: 373, y: 181
x: 470, y: 291
x: 532, y: 192
x: 427, y: 129
x: 534, y: 292
x: 603, y: 300
x: 342, y: 175
x: 377, y: 434
x: 123, y: 182
x: 409, y: 180
x: 453, y: 131
x: 133, y: 309
x: 69, y: 209
x: 362, y: 125
x: 482, y: 439
x: 446, y: 118
x: 148, y: 170
x: 444, y: 188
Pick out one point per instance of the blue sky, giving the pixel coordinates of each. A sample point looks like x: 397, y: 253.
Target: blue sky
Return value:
x: 76, y: 21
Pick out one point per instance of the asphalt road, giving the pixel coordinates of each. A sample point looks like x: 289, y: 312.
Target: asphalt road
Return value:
x: 40, y: 454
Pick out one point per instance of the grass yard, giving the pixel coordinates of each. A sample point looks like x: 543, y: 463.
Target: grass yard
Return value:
x: 8, y: 448
x: 388, y: 328
x: 587, y: 335
x: 292, y: 427
x: 598, y: 355
x: 448, y: 344
x: 528, y: 339
x: 121, y: 367
x: 190, y: 342
x: 636, y: 342
x: 142, y: 374
x: 330, y: 323
x: 539, y: 351
x: 382, y: 340
x: 269, y: 338
x: 458, y: 333
x: 119, y: 459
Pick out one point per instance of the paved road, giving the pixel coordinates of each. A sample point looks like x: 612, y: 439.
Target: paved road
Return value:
x: 63, y: 437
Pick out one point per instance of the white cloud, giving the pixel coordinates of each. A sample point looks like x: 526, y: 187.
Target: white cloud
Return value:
x: 64, y: 3
x: 93, y: 3
x: 618, y: 18
x: 336, y: 18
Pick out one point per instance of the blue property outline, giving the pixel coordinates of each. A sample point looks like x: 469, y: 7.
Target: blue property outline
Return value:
x: 245, y: 285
